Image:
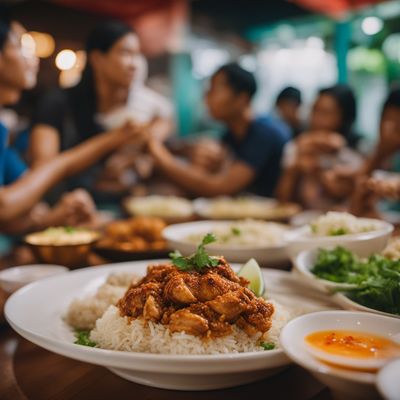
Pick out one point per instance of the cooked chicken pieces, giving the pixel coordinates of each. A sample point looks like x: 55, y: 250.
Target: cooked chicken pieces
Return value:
x: 203, y: 303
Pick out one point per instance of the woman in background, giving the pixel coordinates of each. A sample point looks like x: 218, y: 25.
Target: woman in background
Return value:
x: 326, y: 145
x: 67, y: 117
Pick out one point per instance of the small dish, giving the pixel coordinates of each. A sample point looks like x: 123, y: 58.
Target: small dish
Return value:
x: 11, y: 279
x: 388, y: 381
x: 347, y: 383
x: 304, y: 262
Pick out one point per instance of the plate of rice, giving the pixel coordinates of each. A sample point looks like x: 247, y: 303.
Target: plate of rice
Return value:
x: 110, y: 316
x: 171, y: 208
x: 363, y: 236
x: 237, y: 240
x: 244, y: 207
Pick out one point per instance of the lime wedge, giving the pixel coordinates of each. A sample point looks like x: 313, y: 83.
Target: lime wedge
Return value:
x: 252, y: 272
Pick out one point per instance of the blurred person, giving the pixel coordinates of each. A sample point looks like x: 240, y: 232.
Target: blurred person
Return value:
x: 325, y: 146
x: 254, y: 144
x: 110, y: 92
x: 21, y: 188
x: 287, y: 108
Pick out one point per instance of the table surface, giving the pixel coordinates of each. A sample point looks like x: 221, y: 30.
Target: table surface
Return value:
x: 30, y: 372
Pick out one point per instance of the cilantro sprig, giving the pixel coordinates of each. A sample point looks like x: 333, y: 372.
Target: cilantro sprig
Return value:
x: 83, y: 338
x: 197, y: 261
x: 268, y: 345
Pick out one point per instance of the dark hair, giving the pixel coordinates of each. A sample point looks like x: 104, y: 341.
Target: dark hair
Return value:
x: 5, y: 25
x: 291, y: 94
x: 240, y: 80
x: 101, y: 38
x: 345, y: 99
x: 393, y: 99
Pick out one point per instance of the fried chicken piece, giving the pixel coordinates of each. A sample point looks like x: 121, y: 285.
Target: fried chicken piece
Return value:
x: 181, y: 287
x: 152, y: 310
x: 133, y: 303
x: 159, y: 273
x: 230, y: 305
x: 186, y: 321
x: 257, y: 318
x: 212, y: 285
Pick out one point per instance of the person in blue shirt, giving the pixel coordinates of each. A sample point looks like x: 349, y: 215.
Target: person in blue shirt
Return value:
x: 255, y: 144
x: 21, y: 189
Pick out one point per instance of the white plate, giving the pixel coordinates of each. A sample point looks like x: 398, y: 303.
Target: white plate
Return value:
x: 348, y: 383
x: 11, y: 279
x: 256, y: 207
x: 388, y: 381
x: 304, y: 262
x: 177, y: 234
x: 35, y: 312
x: 363, y: 244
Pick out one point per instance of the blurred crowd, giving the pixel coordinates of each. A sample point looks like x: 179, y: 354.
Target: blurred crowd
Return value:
x: 111, y: 135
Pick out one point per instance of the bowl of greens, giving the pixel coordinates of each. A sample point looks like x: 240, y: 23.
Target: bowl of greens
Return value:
x: 368, y: 284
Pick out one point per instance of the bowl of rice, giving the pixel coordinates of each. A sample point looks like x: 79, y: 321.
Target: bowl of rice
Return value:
x: 363, y: 236
x: 81, y: 317
x: 239, y: 240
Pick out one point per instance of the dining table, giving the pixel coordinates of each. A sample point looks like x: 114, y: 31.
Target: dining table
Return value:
x: 28, y: 371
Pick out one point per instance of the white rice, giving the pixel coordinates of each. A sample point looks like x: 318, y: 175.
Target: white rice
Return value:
x: 248, y: 232
x: 114, y: 332
x: 335, y: 223
x: 83, y: 313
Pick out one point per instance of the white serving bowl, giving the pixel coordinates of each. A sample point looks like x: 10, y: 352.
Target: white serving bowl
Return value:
x: 304, y: 262
x: 346, y: 383
x: 388, y: 380
x: 363, y: 244
x: 176, y: 236
x: 11, y: 279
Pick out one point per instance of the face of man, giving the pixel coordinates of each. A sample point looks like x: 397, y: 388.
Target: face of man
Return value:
x: 222, y: 101
x: 18, y: 65
x: 120, y: 64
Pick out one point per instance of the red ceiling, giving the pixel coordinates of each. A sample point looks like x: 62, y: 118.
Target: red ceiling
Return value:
x: 334, y: 7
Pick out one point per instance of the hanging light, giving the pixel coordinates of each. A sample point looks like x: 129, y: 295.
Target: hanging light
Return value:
x: 65, y: 59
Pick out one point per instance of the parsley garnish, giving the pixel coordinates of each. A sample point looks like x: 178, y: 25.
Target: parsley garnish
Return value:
x: 197, y: 261
x: 83, y: 338
x: 267, y: 345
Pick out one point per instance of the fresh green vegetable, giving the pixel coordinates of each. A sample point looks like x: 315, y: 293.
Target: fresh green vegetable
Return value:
x: 83, y: 338
x: 377, y: 279
x: 197, y: 261
x: 70, y: 229
x: 267, y: 345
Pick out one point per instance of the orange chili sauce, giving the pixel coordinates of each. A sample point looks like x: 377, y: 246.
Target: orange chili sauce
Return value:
x: 353, y: 344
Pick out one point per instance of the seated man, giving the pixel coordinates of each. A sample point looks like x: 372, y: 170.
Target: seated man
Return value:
x: 21, y: 189
x: 255, y: 144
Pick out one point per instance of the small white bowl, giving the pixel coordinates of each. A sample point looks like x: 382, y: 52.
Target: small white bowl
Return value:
x: 388, y: 380
x: 363, y: 244
x: 346, y: 383
x: 304, y: 262
x: 11, y: 279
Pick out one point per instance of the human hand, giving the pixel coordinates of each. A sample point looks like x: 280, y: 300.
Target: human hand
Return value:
x: 386, y: 188
x: 207, y: 154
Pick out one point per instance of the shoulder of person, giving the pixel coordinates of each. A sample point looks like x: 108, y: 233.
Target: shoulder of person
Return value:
x: 269, y: 128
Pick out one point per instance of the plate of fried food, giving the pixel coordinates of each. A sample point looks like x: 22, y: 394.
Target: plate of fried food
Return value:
x: 133, y: 239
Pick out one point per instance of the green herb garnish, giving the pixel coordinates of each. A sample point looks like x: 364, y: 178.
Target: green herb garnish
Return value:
x: 197, y: 261
x: 236, y: 231
x: 267, y: 345
x: 338, y: 232
x: 70, y: 229
x: 83, y: 338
